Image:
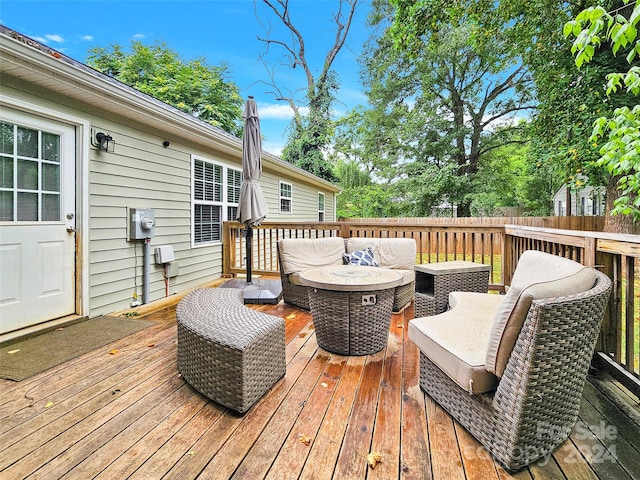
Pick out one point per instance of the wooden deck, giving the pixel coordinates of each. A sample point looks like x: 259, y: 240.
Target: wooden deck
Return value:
x: 131, y: 415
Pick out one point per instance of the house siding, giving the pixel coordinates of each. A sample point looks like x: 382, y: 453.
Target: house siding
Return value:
x: 141, y: 173
x: 587, y: 201
x: 304, y: 200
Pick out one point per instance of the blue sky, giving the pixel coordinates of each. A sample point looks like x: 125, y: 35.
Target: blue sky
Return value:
x: 222, y: 31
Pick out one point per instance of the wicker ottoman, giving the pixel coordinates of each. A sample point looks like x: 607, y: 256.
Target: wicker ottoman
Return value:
x: 228, y: 352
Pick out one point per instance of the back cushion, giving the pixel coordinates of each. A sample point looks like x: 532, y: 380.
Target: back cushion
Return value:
x: 389, y: 252
x: 299, y: 254
x: 538, y: 275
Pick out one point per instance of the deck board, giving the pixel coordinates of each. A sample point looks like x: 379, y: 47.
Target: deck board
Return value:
x: 131, y: 415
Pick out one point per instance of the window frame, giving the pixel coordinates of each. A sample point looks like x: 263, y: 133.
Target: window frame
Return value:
x: 281, y: 197
x: 322, y: 206
x: 224, y: 203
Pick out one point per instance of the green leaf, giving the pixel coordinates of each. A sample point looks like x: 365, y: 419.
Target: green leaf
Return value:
x: 569, y: 28
x: 597, y: 13
x: 635, y: 15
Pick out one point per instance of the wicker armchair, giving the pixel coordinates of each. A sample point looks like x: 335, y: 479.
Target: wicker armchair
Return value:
x: 535, y: 405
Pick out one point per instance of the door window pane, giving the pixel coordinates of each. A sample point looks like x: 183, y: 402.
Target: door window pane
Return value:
x: 27, y: 174
x: 50, y: 207
x: 6, y: 138
x: 6, y: 172
x: 51, y: 147
x: 50, y: 177
x: 27, y: 207
x: 27, y: 142
x: 6, y: 206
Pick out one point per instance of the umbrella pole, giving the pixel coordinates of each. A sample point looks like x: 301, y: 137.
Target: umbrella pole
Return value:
x: 249, y: 239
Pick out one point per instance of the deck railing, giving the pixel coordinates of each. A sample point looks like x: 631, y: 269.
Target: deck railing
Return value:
x: 497, y: 245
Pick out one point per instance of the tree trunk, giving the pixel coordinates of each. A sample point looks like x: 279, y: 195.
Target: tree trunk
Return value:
x: 617, y: 223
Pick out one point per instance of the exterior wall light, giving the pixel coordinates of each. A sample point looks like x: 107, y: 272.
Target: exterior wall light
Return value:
x: 104, y: 142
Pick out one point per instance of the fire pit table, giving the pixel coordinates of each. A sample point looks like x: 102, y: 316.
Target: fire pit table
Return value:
x: 351, y: 306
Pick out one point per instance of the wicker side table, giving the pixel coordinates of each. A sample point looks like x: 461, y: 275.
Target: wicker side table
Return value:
x: 434, y: 282
x: 351, y: 307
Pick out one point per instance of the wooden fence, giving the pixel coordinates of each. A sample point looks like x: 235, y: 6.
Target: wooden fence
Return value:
x: 496, y: 244
x: 590, y: 223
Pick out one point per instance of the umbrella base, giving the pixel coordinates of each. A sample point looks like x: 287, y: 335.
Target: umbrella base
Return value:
x: 258, y: 291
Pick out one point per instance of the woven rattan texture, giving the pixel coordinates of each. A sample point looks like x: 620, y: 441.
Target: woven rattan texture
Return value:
x: 228, y: 352
x: 292, y: 294
x: 344, y: 326
x: 297, y: 295
x: 536, y: 404
x: 437, y: 301
x: 403, y: 296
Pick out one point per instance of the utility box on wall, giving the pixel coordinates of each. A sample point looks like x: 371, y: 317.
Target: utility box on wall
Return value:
x: 164, y: 254
x: 142, y: 223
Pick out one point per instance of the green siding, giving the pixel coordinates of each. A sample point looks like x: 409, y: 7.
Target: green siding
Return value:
x: 141, y: 173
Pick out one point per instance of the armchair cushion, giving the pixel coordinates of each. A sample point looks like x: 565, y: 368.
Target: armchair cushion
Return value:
x: 538, y: 275
x: 456, y: 340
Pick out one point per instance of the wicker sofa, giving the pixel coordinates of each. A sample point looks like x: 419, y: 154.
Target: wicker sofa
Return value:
x: 296, y: 255
x: 511, y: 369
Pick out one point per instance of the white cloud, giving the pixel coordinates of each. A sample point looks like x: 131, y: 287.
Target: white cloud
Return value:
x: 87, y: 38
x: 139, y: 36
x: 40, y: 40
x: 279, y: 111
x: 275, y: 148
x: 54, y: 38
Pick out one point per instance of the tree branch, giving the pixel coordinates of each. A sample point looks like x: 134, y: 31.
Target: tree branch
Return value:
x: 506, y: 112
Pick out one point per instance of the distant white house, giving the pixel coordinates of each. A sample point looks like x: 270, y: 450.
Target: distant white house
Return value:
x: 70, y: 201
x: 588, y: 201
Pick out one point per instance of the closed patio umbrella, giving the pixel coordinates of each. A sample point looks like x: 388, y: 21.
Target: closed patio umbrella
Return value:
x: 252, y: 208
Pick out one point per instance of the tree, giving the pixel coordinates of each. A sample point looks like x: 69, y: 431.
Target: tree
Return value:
x: 309, y: 134
x: 561, y: 123
x: 452, y: 71
x: 620, y: 154
x: 194, y: 87
x: 500, y: 180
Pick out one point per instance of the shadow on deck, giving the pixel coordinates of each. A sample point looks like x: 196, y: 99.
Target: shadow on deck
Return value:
x: 131, y: 415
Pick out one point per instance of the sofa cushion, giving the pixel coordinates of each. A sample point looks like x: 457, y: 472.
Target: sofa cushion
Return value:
x: 361, y: 257
x: 456, y: 340
x: 389, y: 252
x: 299, y: 254
x: 408, y: 276
x: 538, y: 275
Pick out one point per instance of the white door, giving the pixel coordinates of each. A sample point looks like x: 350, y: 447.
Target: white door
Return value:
x: 37, y: 220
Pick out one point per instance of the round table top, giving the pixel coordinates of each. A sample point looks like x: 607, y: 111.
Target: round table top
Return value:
x: 350, y: 278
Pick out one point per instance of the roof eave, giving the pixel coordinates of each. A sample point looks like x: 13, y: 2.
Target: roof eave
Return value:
x: 50, y: 69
